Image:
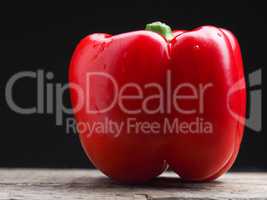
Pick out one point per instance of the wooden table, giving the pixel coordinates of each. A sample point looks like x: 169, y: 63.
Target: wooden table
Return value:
x: 43, y: 184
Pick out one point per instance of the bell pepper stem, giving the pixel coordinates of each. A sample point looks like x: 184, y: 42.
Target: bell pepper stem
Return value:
x: 160, y: 28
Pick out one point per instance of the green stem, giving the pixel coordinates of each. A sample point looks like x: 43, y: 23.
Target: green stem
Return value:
x: 160, y: 28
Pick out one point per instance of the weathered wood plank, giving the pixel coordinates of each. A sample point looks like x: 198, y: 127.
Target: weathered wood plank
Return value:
x: 91, y: 184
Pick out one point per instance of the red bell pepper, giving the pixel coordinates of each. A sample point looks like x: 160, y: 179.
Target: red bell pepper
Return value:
x: 154, y: 77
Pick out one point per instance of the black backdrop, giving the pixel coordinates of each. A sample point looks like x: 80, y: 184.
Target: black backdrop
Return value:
x: 43, y: 35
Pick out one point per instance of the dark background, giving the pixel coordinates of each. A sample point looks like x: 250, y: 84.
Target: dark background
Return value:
x: 43, y: 36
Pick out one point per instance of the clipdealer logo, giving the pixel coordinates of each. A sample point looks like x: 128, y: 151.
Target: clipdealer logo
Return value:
x: 50, y: 97
x: 254, y: 120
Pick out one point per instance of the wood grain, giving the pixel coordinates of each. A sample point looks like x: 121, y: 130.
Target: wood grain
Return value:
x: 48, y: 184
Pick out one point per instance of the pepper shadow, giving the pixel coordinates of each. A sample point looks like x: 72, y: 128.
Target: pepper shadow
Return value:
x: 166, y: 183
